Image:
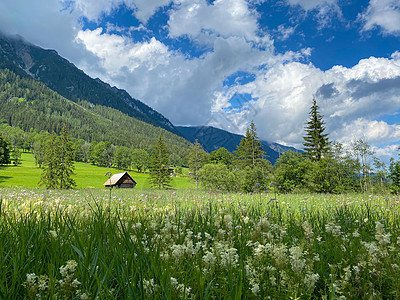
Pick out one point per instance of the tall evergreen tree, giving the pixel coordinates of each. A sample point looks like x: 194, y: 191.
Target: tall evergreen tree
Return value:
x: 159, y: 168
x: 249, y: 150
x: 66, y: 159
x: 316, y: 142
x: 58, y: 165
x: 50, y: 164
x: 4, y: 151
x: 196, y: 159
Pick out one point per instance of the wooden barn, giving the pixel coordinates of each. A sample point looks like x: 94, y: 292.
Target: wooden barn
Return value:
x: 121, y: 180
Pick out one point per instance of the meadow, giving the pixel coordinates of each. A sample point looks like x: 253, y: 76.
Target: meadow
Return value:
x: 186, y: 244
x: 27, y: 175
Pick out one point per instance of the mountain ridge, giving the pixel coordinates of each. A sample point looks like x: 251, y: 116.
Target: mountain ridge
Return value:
x: 62, y: 76
x: 212, y: 138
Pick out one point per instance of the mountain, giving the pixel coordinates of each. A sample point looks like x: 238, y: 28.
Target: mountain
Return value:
x: 72, y: 83
x: 212, y: 138
x: 30, y: 105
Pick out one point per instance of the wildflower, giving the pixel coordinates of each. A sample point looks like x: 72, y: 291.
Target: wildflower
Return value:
x: 255, y: 289
x: 75, y: 283
x: 297, y: 262
x: 174, y: 282
x: 332, y: 228
x: 380, y: 235
x: 43, y: 282
x: 53, y: 234
x: 310, y: 279
x: 307, y: 230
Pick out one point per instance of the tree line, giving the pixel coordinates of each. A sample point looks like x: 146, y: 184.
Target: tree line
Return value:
x: 323, y: 167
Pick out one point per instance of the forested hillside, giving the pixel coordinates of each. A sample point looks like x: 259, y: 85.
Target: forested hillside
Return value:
x: 31, y: 105
x: 66, y: 79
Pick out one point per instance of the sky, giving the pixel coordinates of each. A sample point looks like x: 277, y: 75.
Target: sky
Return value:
x: 225, y: 63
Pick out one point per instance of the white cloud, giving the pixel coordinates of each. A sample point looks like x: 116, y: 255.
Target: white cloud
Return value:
x: 386, y: 152
x: 351, y: 100
x: 374, y: 132
x: 313, y: 4
x: 117, y: 52
x: 326, y: 9
x: 94, y: 9
x: 145, y: 8
x: 223, y: 17
x: 384, y: 14
x: 285, y: 32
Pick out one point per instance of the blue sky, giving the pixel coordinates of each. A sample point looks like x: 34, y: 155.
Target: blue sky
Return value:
x: 227, y: 62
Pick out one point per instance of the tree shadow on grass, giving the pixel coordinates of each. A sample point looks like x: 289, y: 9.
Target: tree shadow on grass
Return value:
x: 3, y: 178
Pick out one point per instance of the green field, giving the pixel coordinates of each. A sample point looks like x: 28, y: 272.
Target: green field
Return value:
x: 87, y: 175
x: 187, y: 244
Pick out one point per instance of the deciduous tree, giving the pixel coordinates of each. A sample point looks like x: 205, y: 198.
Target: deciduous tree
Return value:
x: 196, y: 159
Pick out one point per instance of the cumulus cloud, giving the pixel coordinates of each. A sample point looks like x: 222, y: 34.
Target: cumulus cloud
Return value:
x: 384, y: 14
x: 222, y: 17
x: 386, y: 152
x: 117, y: 52
x: 180, y: 88
x: 351, y: 100
x: 375, y: 132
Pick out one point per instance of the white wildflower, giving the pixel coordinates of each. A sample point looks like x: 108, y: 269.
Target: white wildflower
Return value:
x: 380, y: 235
x: 297, y: 262
x: 310, y: 280
x: 53, y: 234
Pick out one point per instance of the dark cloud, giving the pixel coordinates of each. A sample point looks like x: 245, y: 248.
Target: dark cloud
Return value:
x: 327, y: 91
x: 361, y: 88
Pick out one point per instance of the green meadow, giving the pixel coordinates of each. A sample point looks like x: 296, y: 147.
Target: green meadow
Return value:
x: 28, y: 175
x: 188, y: 244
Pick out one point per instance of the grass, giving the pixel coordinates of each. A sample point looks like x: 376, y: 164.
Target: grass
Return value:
x: 28, y: 175
x: 190, y: 244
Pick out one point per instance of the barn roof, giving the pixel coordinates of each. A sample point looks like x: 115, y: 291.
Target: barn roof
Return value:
x: 117, y: 177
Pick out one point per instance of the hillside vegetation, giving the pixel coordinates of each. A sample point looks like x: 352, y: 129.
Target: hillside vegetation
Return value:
x: 31, y: 105
x: 65, y: 78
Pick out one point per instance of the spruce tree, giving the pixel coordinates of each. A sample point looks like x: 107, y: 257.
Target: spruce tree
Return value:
x: 196, y: 159
x: 58, y: 165
x: 4, y: 151
x: 50, y: 164
x: 159, y: 168
x: 249, y: 150
x: 316, y: 142
x: 66, y: 160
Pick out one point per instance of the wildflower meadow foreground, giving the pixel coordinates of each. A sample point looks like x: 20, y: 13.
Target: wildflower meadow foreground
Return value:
x: 196, y: 245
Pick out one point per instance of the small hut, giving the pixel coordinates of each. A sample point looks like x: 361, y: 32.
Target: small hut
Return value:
x: 121, y: 180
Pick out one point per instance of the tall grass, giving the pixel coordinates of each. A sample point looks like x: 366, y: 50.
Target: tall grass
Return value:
x: 196, y: 245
